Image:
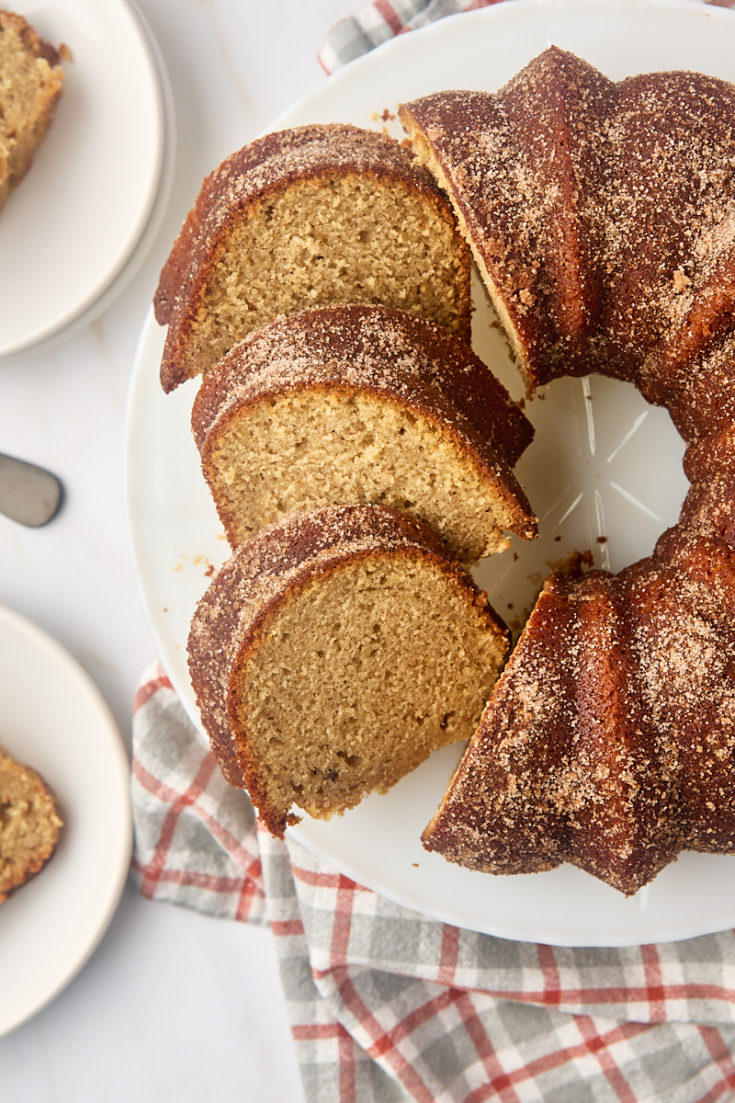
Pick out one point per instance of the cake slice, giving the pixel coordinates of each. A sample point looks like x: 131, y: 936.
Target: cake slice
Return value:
x: 499, y: 813
x: 29, y: 824
x: 31, y: 81
x: 333, y: 653
x: 348, y: 404
x: 301, y: 217
x: 565, y: 765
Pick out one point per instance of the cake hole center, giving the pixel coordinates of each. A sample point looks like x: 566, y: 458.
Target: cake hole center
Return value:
x: 604, y: 475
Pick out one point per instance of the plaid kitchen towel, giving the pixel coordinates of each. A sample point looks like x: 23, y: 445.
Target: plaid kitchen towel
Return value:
x: 375, y: 23
x: 388, y: 1006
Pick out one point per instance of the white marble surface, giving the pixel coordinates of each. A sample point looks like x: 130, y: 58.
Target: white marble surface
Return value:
x: 172, y: 1005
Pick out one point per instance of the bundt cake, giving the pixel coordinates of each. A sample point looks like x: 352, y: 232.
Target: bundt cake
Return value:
x: 609, y: 741
x: 333, y: 653
x: 301, y: 217
x: 349, y: 404
x: 601, y: 215
x: 602, y: 218
x: 29, y: 824
x: 31, y: 84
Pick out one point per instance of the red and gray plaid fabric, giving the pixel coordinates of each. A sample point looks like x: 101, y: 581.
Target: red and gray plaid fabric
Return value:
x: 383, y: 19
x: 386, y: 1005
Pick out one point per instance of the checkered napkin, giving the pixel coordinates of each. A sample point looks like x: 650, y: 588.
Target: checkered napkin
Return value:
x: 385, y: 1005
x: 375, y: 23
x: 383, y: 19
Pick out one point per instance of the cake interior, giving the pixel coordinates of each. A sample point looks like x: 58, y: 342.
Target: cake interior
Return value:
x: 28, y: 91
x: 425, y: 157
x: 377, y: 665
x: 321, y: 446
x: 29, y: 826
x: 331, y: 239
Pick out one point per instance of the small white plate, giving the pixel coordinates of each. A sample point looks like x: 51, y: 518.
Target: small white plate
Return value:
x: 53, y: 718
x: 93, y: 197
x: 604, y: 474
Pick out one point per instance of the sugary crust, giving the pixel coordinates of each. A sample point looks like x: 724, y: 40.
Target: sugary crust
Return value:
x: 365, y: 338
x: 265, y: 574
x: 609, y: 741
x: 245, y: 180
x: 567, y: 184
x: 566, y: 765
x: 474, y: 826
x: 395, y: 356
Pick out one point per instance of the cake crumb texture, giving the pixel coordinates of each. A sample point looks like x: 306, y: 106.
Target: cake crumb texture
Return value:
x: 31, y: 81
x: 29, y: 824
x: 303, y: 217
x: 333, y: 653
x: 347, y: 404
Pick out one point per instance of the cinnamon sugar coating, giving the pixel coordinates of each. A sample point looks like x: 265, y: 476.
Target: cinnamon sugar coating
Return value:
x: 300, y: 217
x: 602, y: 216
x: 609, y: 741
x: 342, y: 404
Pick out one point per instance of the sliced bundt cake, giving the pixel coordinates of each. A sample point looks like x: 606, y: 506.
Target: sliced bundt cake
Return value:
x: 29, y: 824
x: 333, y: 653
x: 348, y: 404
x: 302, y: 217
x: 601, y: 214
x: 602, y: 217
x: 567, y: 763
x: 30, y: 86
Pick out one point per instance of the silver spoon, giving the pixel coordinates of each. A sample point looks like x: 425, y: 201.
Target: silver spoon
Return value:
x: 28, y: 494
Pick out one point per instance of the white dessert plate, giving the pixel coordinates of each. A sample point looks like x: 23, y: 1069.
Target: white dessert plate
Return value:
x: 604, y: 474
x: 53, y: 718
x: 71, y: 233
